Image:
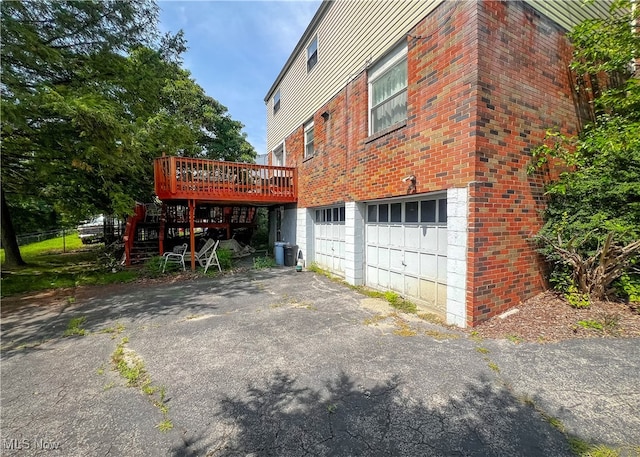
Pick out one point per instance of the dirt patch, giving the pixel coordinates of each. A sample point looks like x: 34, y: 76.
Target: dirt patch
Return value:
x: 549, y: 318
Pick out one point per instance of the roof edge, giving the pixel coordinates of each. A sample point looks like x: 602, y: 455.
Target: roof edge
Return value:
x: 322, y: 9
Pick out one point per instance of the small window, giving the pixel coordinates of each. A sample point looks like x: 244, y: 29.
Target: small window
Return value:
x: 383, y: 215
x: 428, y: 211
x: 411, y: 212
x: 318, y: 216
x: 442, y: 210
x: 327, y: 215
x: 312, y: 54
x: 336, y: 216
x: 396, y: 212
x: 342, y: 218
x: 278, y: 156
x: 276, y: 102
x: 372, y: 213
x: 308, y: 140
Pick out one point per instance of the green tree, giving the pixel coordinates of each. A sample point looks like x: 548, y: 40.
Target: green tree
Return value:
x: 90, y: 95
x: 593, y: 213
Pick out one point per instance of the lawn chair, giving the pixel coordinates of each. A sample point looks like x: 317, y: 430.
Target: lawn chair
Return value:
x: 203, y: 254
x: 213, y: 258
x: 175, y: 256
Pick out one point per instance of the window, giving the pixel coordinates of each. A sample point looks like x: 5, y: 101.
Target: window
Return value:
x: 333, y: 214
x: 276, y: 101
x: 425, y: 211
x: 308, y: 139
x: 312, y: 54
x: 388, y: 91
x: 278, y: 156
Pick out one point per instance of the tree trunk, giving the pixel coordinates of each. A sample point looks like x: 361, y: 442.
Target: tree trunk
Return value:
x: 12, y: 257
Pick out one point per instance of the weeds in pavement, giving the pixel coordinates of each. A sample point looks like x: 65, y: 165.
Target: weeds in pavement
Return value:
x: 74, y: 327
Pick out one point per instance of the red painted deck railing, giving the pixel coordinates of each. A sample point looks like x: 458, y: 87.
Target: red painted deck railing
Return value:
x: 178, y: 178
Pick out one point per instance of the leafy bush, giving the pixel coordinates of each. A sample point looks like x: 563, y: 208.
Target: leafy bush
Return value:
x: 592, y: 220
x: 225, y: 257
x: 260, y: 263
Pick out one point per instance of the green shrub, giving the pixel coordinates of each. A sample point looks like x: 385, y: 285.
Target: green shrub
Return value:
x: 225, y: 257
x: 628, y: 286
x: 260, y: 263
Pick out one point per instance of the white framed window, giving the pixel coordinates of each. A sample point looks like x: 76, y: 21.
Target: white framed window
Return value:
x: 276, y: 101
x: 312, y: 54
x: 279, y: 156
x: 308, y: 139
x: 388, y: 90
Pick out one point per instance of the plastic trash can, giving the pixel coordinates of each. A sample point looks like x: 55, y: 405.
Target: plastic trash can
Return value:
x: 290, y: 255
x: 279, y: 252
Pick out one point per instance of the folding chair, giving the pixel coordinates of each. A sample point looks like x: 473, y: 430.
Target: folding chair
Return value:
x: 213, y: 258
x: 203, y: 254
x: 175, y: 256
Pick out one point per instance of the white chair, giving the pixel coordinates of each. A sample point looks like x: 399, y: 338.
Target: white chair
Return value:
x: 203, y: 254
x: 175, y: 256
x: 213, y: 258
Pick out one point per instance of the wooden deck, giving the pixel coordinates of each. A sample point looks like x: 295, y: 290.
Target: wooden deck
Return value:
x: 203, y: 180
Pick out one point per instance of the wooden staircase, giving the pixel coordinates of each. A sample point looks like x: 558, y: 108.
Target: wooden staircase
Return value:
x: 142, y: 237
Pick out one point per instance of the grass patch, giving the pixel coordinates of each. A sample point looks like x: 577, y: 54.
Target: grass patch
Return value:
x: 74, y: 327
x: 482, y: 350
x: 441, y: 335
x: 261, y: 263
x: 115, y: 330
x: 403, y: 328
x: 131, y: 367
x: 374, y: 320
x: 48, y: 267
x: 515, y: 339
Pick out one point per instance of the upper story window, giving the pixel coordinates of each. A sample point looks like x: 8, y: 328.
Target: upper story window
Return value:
x: 312, y: 54
x: 276, y: 101
x: 388, y: 90
x: 278, y: 156
x: 308, y: 139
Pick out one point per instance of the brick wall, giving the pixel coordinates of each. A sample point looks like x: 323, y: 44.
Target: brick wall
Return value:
x: 524, y: 89
x: 484, y: 82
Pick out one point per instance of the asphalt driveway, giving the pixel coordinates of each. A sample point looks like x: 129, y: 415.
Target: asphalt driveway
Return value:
x: 279, y: 363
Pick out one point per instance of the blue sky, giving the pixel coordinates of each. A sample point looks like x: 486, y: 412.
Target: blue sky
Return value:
x: 236, y: 50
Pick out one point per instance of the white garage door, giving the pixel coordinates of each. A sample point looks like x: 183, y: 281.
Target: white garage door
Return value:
x: 407, y: 249
x: 329, y: 239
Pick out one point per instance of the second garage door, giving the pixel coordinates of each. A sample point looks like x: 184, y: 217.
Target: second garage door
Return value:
x: 406, y: 248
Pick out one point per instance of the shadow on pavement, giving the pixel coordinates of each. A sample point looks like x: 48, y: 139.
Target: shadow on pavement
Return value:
x: 282, y: 418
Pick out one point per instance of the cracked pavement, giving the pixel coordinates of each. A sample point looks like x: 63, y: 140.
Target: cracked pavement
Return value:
x: 279, y: 363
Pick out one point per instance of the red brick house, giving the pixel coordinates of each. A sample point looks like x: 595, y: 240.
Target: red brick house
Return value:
x: 411, y: 126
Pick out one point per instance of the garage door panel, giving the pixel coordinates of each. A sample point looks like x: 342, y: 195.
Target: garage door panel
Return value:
x: 372, y: 234
x: 412, y: 262
x: 383, y: 278
x: 442, y: 240
x: 429, y: 239
x: 396, y: 259
x: 428, y: 265
x: 442, y: 268
x: 372, y: 255
x: 372, y: 275
x: 383, y: 258
x: 383, y: 235
x: 412, y: 286
x: 412, y: 235
x: 396, y: 235
x: 396, y: 281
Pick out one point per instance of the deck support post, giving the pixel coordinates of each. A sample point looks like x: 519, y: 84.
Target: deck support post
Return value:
x: 192, y: 234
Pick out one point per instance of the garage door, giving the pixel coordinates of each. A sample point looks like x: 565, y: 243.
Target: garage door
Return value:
x: 329, y: 237
x: 407, y: 249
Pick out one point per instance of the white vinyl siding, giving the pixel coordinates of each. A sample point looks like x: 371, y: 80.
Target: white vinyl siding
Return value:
x: 355, y: 34
x: 352, y: 36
